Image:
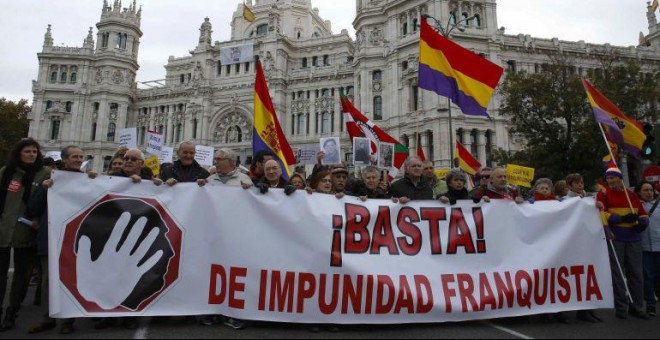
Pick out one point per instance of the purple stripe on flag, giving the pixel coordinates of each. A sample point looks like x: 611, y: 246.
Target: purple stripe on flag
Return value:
x: 633, y: 151
x: 605, y: 119
x: 432, y: 80
x: 258, y: 145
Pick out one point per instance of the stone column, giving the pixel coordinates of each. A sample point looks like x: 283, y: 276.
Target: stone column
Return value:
x: 312, y: 115
x: 481, y: 142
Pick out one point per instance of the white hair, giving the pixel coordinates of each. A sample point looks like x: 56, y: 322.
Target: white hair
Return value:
x: 137, y: 151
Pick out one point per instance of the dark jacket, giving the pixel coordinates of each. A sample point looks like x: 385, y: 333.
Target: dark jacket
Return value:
x: 280, y: 185
x: 405, y: 188
x: 456, y: 195
x: 361, y: 190
x: 182, y: 174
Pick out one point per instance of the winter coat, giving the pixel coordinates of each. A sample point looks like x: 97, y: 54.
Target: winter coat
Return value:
x: 406, y: 188
x: 181, y: 175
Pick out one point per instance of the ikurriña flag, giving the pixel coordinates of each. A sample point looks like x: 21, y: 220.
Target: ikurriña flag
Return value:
x: 268, y: 134
x: 357, y: 125
x: 452, y: 71
x: 622, y: 129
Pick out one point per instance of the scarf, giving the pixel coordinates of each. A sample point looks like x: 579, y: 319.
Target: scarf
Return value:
x: 28, y: 178
x: 225, y: 178
x: 538, y: 197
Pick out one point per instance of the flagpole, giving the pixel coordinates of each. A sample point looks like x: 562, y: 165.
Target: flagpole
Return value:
x: 625, y: 190
x: 451, y: 136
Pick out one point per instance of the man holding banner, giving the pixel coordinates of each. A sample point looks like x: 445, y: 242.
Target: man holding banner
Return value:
x: 497, y: 189
x: 186, y: 169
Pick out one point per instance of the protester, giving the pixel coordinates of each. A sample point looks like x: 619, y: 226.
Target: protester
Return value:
x: 37, y: 210
x: 370, y: 186
x: 185, y: 169
x: 575, y: 184
x: 257, y: 167
x: 457, y: 190
x: 542, y: 191
x: 497, y: 188
x: 624, y: 228
x: 273, y: 179
x: 298, y: 181
x: 116, y: 165
x: 19, y: 180
x: 561, y: 189
x: 483, y: 179
x: 340, y: 180
x: 651, y: 247
x: 226, y: 172
x: 322, y: 184
x: 439, y: 186
x: 414, y: 186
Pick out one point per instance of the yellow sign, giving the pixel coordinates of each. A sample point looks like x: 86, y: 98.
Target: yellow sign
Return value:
x: 442, y: 173
x: 519, y: 175
x: 153, y: 164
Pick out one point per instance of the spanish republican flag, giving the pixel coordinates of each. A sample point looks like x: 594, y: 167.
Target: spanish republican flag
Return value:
x: 622, y: 129
x: 248, y: 14
x: 267, y: 134
x: 454, y: 72
x: 465, y: 161
x: 654, y: 5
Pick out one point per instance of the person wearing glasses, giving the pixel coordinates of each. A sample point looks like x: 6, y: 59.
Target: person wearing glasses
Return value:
x: 497, y: 189
x: 134, y: 168
x: 483, y: 179
x: 226, y: 171
x: 414, y: 186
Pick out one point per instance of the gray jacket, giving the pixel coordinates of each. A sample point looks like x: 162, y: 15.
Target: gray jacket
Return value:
x: 651, y: 236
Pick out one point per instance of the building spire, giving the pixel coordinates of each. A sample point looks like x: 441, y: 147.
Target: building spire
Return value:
x: 48, y: 37
x: 89, y: 41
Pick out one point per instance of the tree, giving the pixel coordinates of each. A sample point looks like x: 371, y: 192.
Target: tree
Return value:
x: 550, y: 111
x: 15, y: 125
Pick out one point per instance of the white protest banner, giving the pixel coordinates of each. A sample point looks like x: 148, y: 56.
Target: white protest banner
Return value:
x: 55, y: 155
x: 154, y: 143
x: 314, y: 258
x: 166, y: 155
x: 236, y: 54
x: 128, y: 138
x: 306, y: 154
x: 204, y: 155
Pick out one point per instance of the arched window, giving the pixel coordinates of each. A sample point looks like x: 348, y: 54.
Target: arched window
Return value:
x: 452, y: 18
x: 219, y: 67
x: 93, y: 134
x: 301, y: 125
x: 183, y: 79
x: 112, y: 127
x: 415, y: 23
x: 404, y: 30
x: 179, y: 129
x: 304, y: 63
x: 464, y: 18
x: 477, y: 21
x: 55, y: 130
x: 69, y: 106
x: 262, y: 30
x: 105, y: 37
x: 63, y: 77
x: 325, y: 122
x: 122, y: 38
x: 299, y: 34
x: 194, y: 131
x: 459, y: 136
x: 74, y: 78
x: 377, y: 75
x: 325, y: 93
x: 53, y: 77
x: 378, y: 108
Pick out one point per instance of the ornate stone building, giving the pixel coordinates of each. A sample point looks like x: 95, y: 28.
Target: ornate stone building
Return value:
x: 84, y: 95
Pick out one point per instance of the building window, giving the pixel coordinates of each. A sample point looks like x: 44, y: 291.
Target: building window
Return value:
x: 377, y: 75
x: 415, y: 24
x: 300, y: 125
x: 106, y: 163
x: 477, y: 21
x: 112, y: 127
x: 247, y: 67
x: 105, y: 37
x: 53, y: 77
x: 63, y: 77
x: 459, y: 136
x: 489, y: 147
x: 122, y: 38
x: 143, y: 135
x: 511, y: 66
x: 182, y: 78
x: 55, y: 130
x: 452, y: 18
x: 73, y: 78
x: 228, y: 70
x: 326, y: 60
x: 378, y: 108
x: 262, y: 30
x: 325, y: 93
x: 415, y: 98
x: 325, y: 122
x: 179, y: 129
x: 93, y: 136
x: 464, y: 18
x: 304, y: 63
x: 293, y: 125
x: 404, y: 65
x: 404, y: 31
x: 69, y: 106
x: 474, y: 148
x: 49, y: 104
x: 219, y: 67
x: 238, y: 68
x: 96, y: 107
x: 315, y: 61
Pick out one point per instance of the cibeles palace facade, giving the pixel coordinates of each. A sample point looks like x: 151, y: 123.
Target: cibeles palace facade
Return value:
x: 84, y: 95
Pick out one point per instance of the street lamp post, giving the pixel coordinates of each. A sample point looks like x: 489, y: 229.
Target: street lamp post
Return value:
x: 446, y: 32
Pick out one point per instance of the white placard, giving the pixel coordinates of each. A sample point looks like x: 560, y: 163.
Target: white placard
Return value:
x: 332, y: 149
x: 306, y: 154
x: 55, y: 155
x: 237, y: 54
x: 204, y: 155
x: 166, y: 155
x: 315, y: 258
x: 128, y: 138
x: 154, y: 143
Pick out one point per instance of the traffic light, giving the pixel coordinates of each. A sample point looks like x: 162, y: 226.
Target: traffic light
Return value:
x: 648, y: 149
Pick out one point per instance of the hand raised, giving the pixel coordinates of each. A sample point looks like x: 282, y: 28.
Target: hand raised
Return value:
x: 110, y: 279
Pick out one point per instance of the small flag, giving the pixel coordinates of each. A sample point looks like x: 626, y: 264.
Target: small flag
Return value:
x: 465, y: 161
x: 247, y: 13
x: 655, y: 5
x: 455, y: 72
x: 420, y: 153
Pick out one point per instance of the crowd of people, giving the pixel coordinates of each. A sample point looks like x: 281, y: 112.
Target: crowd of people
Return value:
x: 631, y: 227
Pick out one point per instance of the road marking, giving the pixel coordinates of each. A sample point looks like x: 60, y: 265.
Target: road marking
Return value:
x: 142, y: 332
x: 506, y: 330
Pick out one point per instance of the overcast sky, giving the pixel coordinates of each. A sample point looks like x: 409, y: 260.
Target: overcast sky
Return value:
x: 171, y: 27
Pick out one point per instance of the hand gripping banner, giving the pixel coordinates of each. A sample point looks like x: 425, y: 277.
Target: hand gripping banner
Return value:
x: 123, y: 249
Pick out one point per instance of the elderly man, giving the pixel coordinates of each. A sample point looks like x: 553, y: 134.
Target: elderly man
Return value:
x: 483, y: 177
x: 414, y: 186
x: 439, y: 186
x: 370, y: 186
x: 185, y: 169
x: 626, y: 218
x: 134, y: 168
x: 273, y: 179
x: 72, y: 159
x: 497, y: 189
x: 226, y: 171
x: 258, y: 162
x: 340, y: 180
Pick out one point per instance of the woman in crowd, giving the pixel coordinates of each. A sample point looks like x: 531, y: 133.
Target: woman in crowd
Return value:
x: 298, y: 181
x: 651, y: 247
x: 19, y: 180
x: 543, y: 191
x: 561, y: 189
x: 371, y: 186
x: 116, y: 165
x: 457, y: 190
